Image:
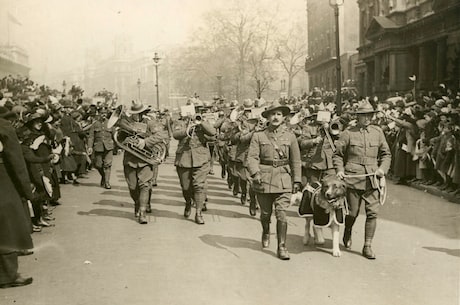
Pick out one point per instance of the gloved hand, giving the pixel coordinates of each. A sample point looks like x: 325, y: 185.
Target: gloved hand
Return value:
x: 141, y: 144
x: 257, y: 178
x: 296, y: 187
x: 380, y: 173
x: 90, y: 151
x: 341, y: 175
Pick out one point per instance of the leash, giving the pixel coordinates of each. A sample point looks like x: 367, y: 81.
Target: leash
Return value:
x: 381, y: 185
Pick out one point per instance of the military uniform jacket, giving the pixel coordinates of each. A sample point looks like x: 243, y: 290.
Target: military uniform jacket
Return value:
x: 193, y: 151
x: 278, y: 146
x: 315, y: 155
x: 100, y: 137
x: 362, y: 151
x: 242, y: 140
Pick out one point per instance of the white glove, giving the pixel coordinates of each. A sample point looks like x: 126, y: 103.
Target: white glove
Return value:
x: 341, y: 175
x: 141, y: 144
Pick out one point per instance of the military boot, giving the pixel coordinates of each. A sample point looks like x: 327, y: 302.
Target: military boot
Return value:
x: 349, y: 221
x: 265, y: 221
x: 199, y: 201
x: 281, y: 231
x: 369, y: 231
x: 143, y: 198
x: 107, y: 178
x: 135, y: 197
x: 101, y: 172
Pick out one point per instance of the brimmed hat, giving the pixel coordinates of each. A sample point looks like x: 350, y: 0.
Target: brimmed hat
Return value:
x: 365, y: 108
x: 276, y: 106
x: 137, y: 108
x: 75, y: 114
x: 248, y: 104
x: 33, y: 117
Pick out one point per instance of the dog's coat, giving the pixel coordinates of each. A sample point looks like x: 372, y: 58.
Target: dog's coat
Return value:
x: 326, y: 207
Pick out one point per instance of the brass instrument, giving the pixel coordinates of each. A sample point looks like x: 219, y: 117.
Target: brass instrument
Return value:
x: 128, y: 134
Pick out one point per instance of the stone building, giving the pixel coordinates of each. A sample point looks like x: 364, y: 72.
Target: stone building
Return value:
x: 321, y: 64
x: 402, y: 38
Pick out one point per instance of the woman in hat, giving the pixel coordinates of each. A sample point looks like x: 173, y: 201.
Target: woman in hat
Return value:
x: 362, y: 150
x: 274, y: 166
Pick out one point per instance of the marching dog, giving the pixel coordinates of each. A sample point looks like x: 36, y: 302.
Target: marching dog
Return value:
x: 328, y: 209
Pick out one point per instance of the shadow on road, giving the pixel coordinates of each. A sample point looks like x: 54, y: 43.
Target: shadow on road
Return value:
x: 109, y: 213
x: 114, y: 203
x: 114, y: 187
x: 453, y: 252
x: 226, y: 242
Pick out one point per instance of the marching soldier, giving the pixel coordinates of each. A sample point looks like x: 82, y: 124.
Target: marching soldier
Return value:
x: 223, y: 124
x: 138, y: 173
x: 192, y: 162
x: 274, y: 165
x: 362, y: 150
x: 100, y: 143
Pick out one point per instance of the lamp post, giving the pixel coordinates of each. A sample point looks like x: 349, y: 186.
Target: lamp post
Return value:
x: 139, y: 89
x: 156, y: 59
x: 64, y: 84
x: 335, y: 4
x: 219, y: 85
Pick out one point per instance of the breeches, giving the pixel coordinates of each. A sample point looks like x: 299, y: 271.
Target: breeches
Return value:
x: 103, y: 159
x: 267, y: 201
x: 138, y: 178
x: 370, y: 198
x: 194, y: 178
x: 241, y: 171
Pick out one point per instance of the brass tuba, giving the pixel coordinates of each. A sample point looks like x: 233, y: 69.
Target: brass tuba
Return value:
x: 128, y: 134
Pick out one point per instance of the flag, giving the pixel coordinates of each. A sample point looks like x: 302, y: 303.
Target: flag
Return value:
x: 13, y: 19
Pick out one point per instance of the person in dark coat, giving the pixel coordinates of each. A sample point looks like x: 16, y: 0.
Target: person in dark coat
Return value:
x: 14, y: 222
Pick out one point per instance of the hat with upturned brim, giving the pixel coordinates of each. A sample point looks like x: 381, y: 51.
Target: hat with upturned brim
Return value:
x: 365, y: 108
x: 276, y: 106
x: 137, y: 108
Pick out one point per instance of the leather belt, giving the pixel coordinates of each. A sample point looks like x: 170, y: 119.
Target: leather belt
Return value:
x: 275, y: 163
x: 362, y: 160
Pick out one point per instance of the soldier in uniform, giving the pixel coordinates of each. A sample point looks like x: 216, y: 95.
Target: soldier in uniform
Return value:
x: 241, y: 139
x: 223, y: 124
x: 100, y: 143
x: 361, y: 150
x: 138, y: 173
x: 274, y: 165
x: 192, y: 162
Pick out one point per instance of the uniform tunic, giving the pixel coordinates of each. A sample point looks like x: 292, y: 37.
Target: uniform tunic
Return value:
x: 362, y: 151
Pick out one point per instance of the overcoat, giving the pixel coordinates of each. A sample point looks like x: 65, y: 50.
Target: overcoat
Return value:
x: 14, y: 184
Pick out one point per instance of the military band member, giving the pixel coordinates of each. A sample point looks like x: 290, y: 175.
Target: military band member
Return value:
x: 274, y: 165
x: 100, y: 143
x: 192, y: 161
x: 361, y: 150
x: 222, y: 125
x: 138, y: 173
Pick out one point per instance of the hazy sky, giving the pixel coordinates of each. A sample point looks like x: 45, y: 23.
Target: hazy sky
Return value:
x: 57, y: 33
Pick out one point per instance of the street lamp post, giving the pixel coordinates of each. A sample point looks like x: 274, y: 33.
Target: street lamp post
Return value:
x: 156, y: 59
x: 139, y: 89
x: 64, y: 84
x: 335, y: 4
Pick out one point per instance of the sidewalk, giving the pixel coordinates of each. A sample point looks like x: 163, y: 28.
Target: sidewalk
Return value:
x: 433, y: 190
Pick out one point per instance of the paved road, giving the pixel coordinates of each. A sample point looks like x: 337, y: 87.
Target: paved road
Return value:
x: 99, y: 254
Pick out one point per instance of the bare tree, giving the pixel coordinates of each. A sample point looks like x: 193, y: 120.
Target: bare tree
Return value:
x: 291, y: 50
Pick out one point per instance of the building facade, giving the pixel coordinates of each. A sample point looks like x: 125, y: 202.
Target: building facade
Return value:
x: 321, y: 63
x: 13, y: 61
x: 402, y: 38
